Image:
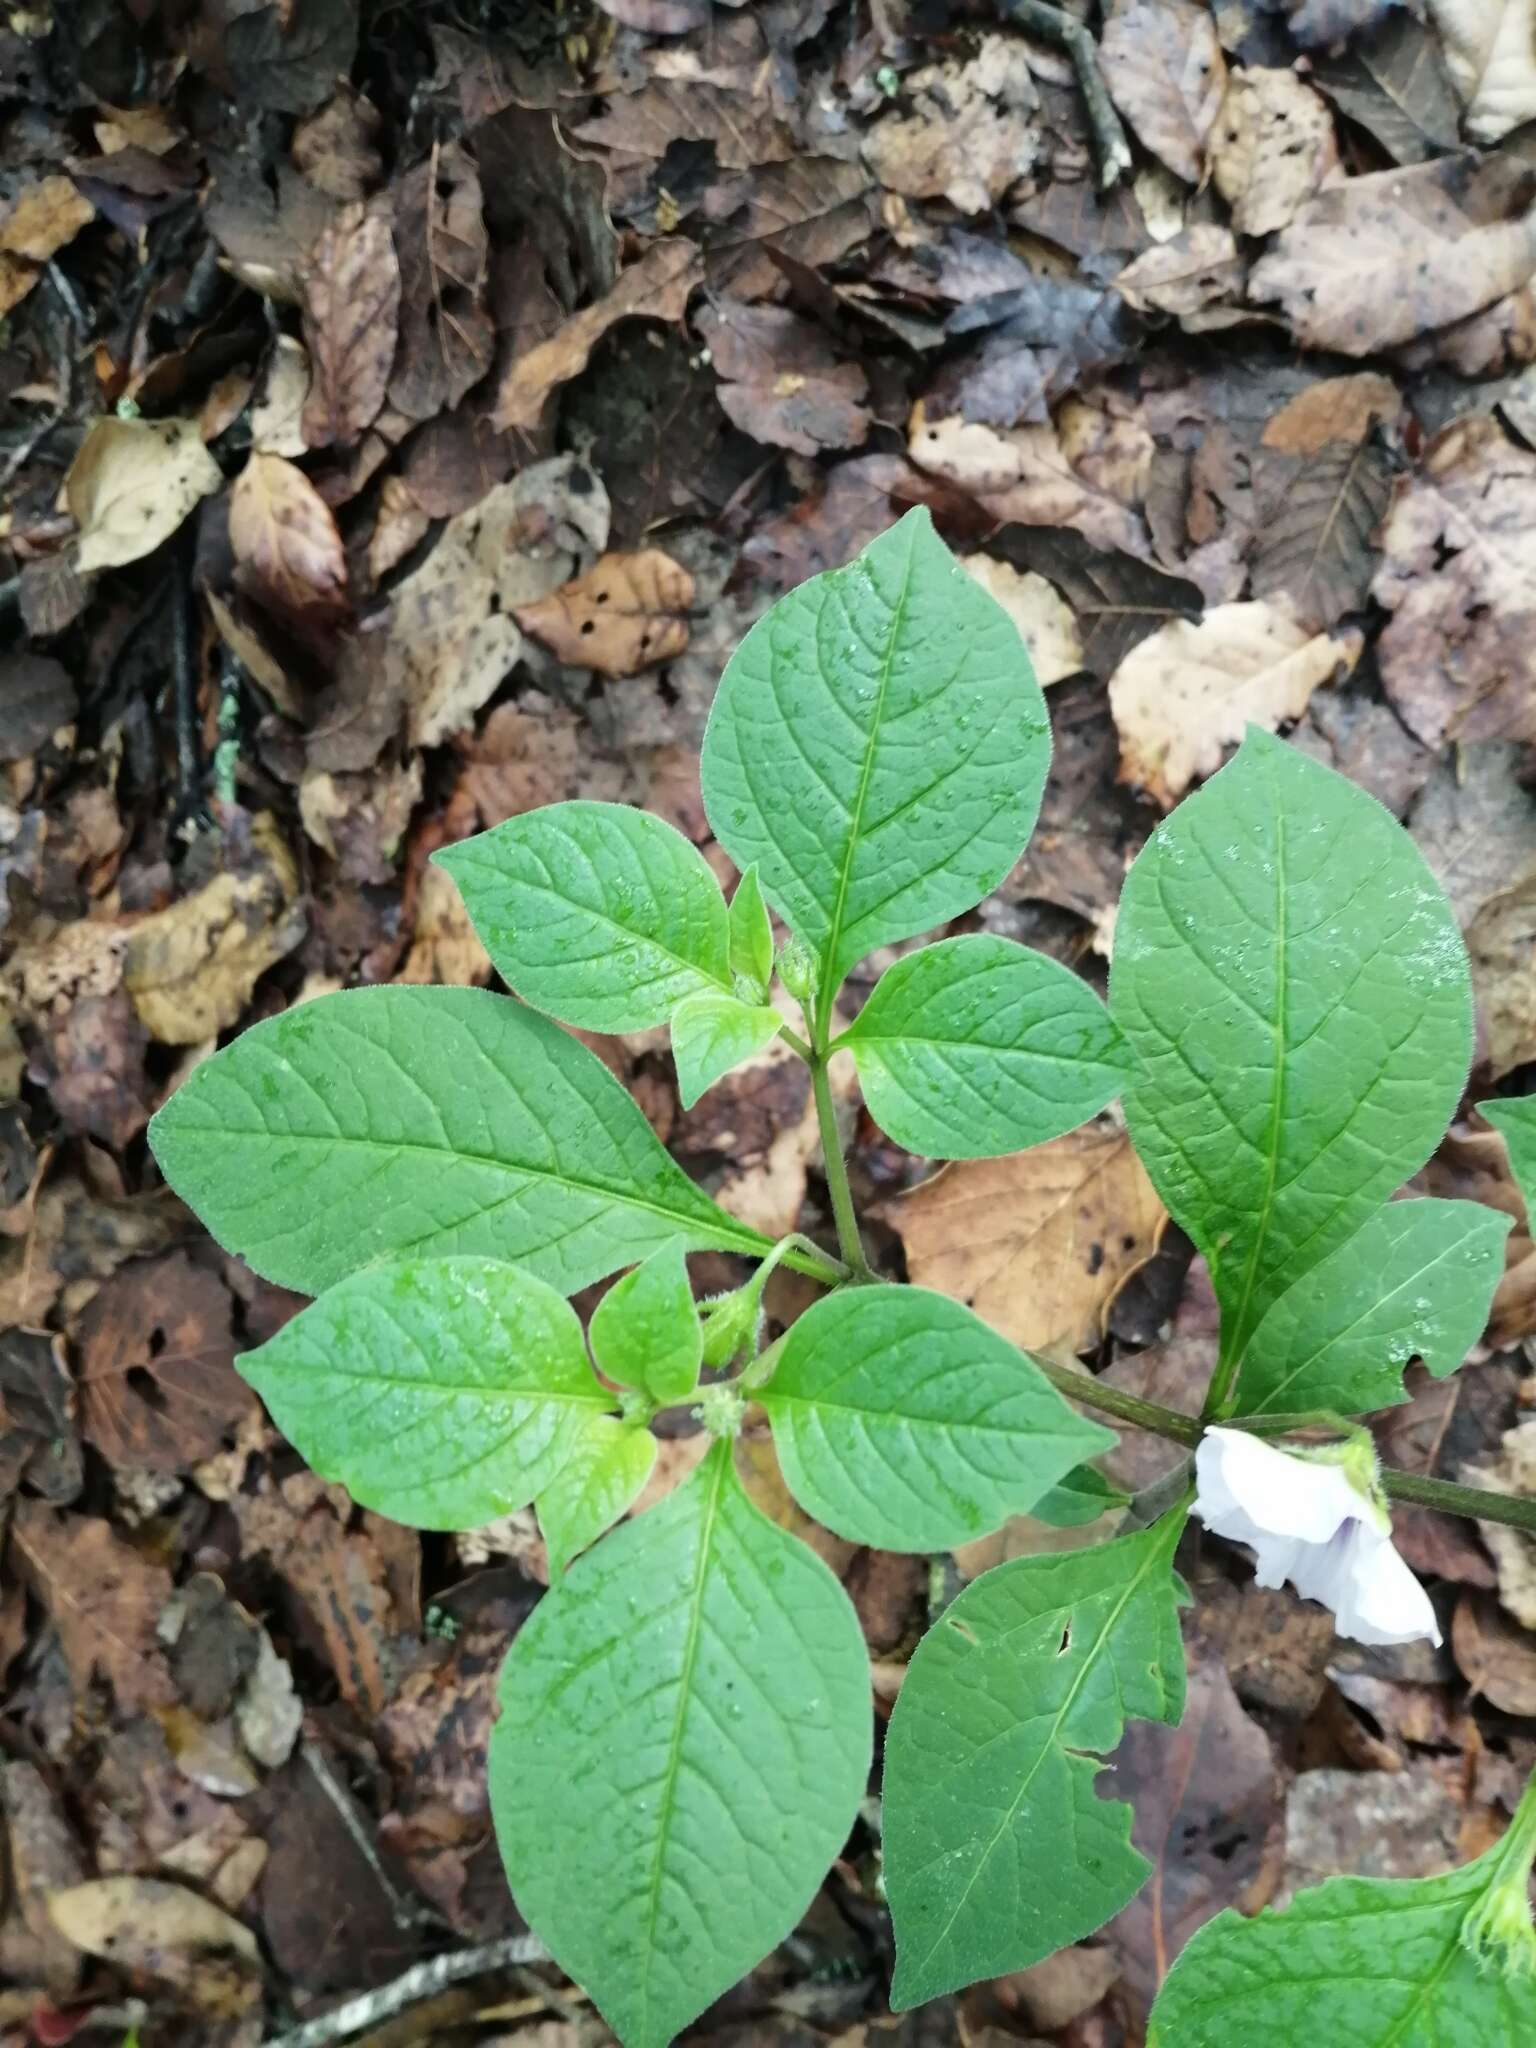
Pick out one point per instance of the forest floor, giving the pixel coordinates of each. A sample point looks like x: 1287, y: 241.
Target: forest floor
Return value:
x: 405, y: 407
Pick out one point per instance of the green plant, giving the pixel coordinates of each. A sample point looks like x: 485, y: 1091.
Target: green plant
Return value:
x: 685, y: 1731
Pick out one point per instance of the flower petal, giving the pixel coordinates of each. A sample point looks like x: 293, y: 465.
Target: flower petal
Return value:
x: 1240, y: 1475
x: 1385, y: 1603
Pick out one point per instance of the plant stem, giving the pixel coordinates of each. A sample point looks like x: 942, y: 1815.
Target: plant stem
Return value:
x: 816, y: 1264
x: 797, y: 1044
x: 1412, y: 1488
x: 849, y: 1243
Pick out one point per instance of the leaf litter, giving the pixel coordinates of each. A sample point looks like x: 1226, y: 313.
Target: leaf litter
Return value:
x: 413, y: 456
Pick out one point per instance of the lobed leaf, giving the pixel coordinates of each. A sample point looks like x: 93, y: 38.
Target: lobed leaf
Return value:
x: 976, y: 1046
x: 998, y: 1849
x: 902, y: 1421
x: 601, y: 915
x: 382, y: 1121
x: 684, y: 1739
x: 442, y: 1392
x: 1415, y: 1281
x: 1293, y: 985
x: 878, y: 746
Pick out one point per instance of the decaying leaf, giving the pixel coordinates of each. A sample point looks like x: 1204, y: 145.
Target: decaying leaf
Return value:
x: 1039, y: 1243
x: 813, y: 208
x: 1395, y: 84
x: 781, y: 382
x: 967, y: 136
x: 1116, y: 598
x: 288, y: 58
x: 277, y: 415
x: 1165, y: 71
x: 1183, y: 275
x: 132, y: 484
x: 36, y: 699
x: 1190, y: 691
x: 1497, y: 1658
x: 1316, y: 549
x: 1376, y: 261
x: 48, y: 213
x: 1458, y: 656
x: 103, y: 1598
x: 351, y: 320
x: 190, y: 969
x: 446, y: 332
x: 1490, y: 46
x: 743, y: 127
x: 1331, y: 410
x: 169, y: 1932
x: 658, y: 286
x: 626, y: 613
x: 1045, y: 622
x: 1024, y: 474
x: 288, y: 553
x: 1272, y: 148
x: 44, y: 1860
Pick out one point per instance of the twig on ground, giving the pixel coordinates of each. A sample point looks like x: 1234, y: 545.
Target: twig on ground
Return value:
x: 421, y: 1981
x: 1054, y: 25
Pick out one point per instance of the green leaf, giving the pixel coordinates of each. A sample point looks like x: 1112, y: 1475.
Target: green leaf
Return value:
x: 1078, y: 1499
x: 751, y: 933
x: 442, y: 1392
x: 976, y: 1046
x: 432, y: 1120
x: 711, y: 1034
x: 998, y: 1848
x: 1516, y: 1118
x: 1368, y: 1962
x: 599, y: 914
x: 645, y: 1330
x: 902, y: 1421
x: 878, y: 745
x: 684, y: 1739
x: 1292, y: 983
x: 605, y: 1472
x: 1415, y: 1281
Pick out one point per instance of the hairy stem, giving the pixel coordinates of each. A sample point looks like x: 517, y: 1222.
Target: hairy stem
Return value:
x: 1412, y: 1488
x: 816, y: 1264
x: 849, y: 1243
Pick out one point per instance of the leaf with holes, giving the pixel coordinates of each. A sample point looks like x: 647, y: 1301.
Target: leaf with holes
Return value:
x: 998, y: 1733
x: 902, y: 1421
x: 602, y: 915
x: 684, y: 1737
x: 442, y: 1392
x: 365, y: 1125
x: 878, y: 746
x: 1415, y: 1281
x: 976, y: 1047
x: 1292, y: 983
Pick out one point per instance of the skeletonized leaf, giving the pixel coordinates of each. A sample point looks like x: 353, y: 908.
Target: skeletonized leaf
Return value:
x: 711, y: 1033
x: 626, y: 613
x: 602, y: 915
x: 903, y: 1422
x: 1317, y: 549
x: 878, y: 745
x: 351, y: 317
x: 442, y: 1392
x: 434, y: 1121
x: 976, y: 1046
x: 997, y: 1736
x: 1292, y: 983
x: 287, y: 550
x: 132, y: 484
x: 684, y: 1737
x: 1415, y: 1281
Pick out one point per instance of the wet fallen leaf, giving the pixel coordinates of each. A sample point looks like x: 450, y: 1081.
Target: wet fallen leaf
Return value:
x: 625, y: 614
x: 1190, y: 691
x: 1038, y: 1243
x: 813, y: 208
x: 103, y: 1598
x: 1165, y: 72
x: 1041, y: 340
x: 1330, y: 410
x: 1044, y: 620
x: 288, y: 553
x: 1497, y: 1657
x: 36, y: 698
x: 1117, y: 599
x: 1317, y: 547
x: 337, y: 148
x: 167, y: 1932
x: 288, y: 58
x: 1272, y: 148
x: 1181, y: 276
x: 1394, y: 84
x: 781, y: 382
x: 1379, y: 260
x: 658, y: 287
x: 1024, y: 474
x: 132, y: 484
x: 1492, y: 58
x: 1458, y: 657
x: 157, y: 1381
x: 447, y: 334
x: 964, y: 131
x: 190, y: 969
x: 351, y: 320
x: 744, y: 129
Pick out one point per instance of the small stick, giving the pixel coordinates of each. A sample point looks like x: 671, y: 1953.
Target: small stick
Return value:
x: 1054, y: 25
x: 421, y: 1981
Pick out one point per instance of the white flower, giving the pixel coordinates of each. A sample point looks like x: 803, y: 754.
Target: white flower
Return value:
x: 1307, y: 1521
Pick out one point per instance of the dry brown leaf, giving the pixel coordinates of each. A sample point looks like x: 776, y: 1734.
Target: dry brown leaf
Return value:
x: 132, y: 484
x: 168, y: 1932
x: 1272, y: 148
x: 246, y: 644
x: 780, y: 381
x: 190, y: 968
x: 1496, y: 1656
x: 1045, y: 621
x: 627, y: 613
x: 277, y: 416
x: 1190, y: 690
x: 1039, y: 1243
x: 812, y: 208
x: 1025, y: 474
x: 400, y: 524
x: 1501, y: 943
x: 1332, y: 409
x: 447, y: 335
x: 658, y: 287
x: 157, y: 1382
x: 1490, y: 47
x: 742, y: 125
x: 44, y: 1860
x: 1181, y: 276
x: 1458, y: 656
x: 1513, y: 1473
x: 968, y: 135
x: 1165, y: 72
x: 50, y: 212
x: 1380, y: 260
x: 445, y: 948
x: 361, y: 820
x: 103, y: 1598
x: 288, y: 553
x: 337, y: 148
x: 351, y: 320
